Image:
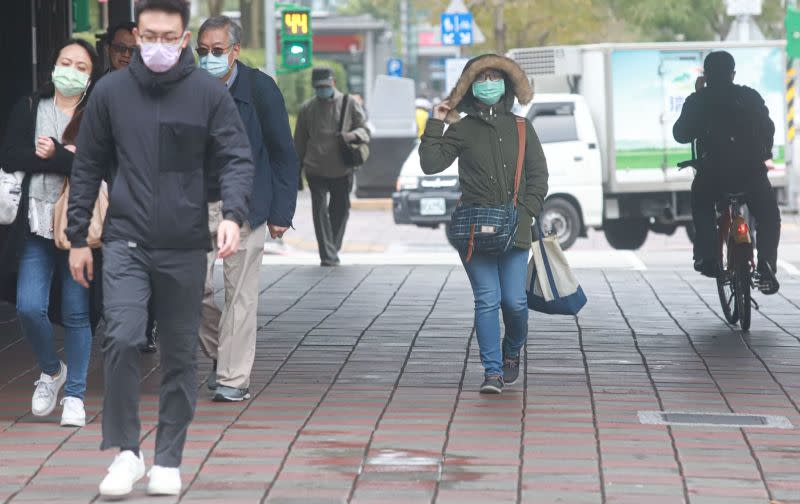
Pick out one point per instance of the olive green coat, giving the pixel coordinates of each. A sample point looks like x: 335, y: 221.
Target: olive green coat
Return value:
x: 485, y: 142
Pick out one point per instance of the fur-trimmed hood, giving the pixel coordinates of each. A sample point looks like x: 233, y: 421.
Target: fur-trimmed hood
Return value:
x: 461, y: 98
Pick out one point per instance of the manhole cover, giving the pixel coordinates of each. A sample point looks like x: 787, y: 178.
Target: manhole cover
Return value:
x: 708, y: 419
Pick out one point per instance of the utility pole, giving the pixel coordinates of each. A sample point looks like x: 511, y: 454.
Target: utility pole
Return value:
x: 793, y: 156
x: 404, y: 32
x: 270, y: 47
x: 499, y: 27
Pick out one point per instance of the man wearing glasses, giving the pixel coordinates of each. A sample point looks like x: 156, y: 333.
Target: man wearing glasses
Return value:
x: 121, y: 44
x: 165, y: 128
x: 228, y: 337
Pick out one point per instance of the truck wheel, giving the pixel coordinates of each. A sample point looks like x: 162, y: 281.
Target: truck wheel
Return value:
x: 626, y: 234
x: 690, y: 231
x: 559, y: 216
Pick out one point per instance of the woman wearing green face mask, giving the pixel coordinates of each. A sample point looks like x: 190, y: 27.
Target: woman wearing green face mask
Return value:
x: 39, y: 142
x: 485, y: 141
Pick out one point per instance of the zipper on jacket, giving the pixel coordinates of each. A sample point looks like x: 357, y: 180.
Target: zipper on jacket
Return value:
x: 504, y: 196
x: 156, y: 182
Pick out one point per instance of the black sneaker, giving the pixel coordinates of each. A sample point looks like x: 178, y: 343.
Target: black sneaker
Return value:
x: 767, y: 282
x: 510, y: 370
x: 212, y: 378
x: 492, y: 385
x: 706, y: 267
x: 230, y: 394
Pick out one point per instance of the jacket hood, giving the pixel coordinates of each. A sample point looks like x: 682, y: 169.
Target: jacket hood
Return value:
x: 158, y: 83
x: 461, y: 98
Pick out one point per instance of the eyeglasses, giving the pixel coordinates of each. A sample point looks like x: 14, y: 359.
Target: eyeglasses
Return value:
x: 494, y: 77
x: 166, y: 38
x: 217, y: 51
x: 123, y: 49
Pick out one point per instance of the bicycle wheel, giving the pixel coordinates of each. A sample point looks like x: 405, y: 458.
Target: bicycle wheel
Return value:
x: 726, y: 286
x: 743, y: 284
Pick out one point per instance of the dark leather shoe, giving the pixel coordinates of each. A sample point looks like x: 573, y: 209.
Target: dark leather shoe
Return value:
x: 767, y: 282
x: 707, y: 267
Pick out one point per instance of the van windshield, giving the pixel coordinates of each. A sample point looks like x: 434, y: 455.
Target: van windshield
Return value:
x: 554, y: 122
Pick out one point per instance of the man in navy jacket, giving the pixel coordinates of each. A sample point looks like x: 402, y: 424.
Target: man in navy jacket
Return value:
x: 229, y: 336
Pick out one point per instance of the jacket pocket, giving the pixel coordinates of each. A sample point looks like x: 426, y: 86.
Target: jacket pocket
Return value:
x: 181, y: 147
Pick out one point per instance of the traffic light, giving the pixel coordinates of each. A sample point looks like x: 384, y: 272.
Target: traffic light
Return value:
x: 80, y: 16
x: 296, y: 38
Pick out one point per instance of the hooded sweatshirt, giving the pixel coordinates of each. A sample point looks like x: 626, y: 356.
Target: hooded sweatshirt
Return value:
x: 486, y: 141
x: 163, y: 135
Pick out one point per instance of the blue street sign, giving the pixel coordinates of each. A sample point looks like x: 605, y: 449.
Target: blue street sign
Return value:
x: 457, y: 28
x: 394, y: 67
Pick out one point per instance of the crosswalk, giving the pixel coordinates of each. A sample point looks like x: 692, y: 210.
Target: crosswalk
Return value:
x: 578, y: 259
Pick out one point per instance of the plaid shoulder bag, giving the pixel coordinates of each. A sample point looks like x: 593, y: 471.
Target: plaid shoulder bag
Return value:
x: 488, y: 230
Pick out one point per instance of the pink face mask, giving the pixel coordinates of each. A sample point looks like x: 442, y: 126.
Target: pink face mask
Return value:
x: 160, y: 57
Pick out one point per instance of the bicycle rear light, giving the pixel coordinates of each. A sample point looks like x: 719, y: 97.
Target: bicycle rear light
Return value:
x: 742, y: 231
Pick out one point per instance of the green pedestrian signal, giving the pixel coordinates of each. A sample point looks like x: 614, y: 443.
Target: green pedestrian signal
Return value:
x: 297, y: 54
x: 296, y: 38
x: 80, y: 16
x: 793, y: 32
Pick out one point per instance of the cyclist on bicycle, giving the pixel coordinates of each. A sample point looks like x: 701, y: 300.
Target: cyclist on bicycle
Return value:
x: 734, y: 137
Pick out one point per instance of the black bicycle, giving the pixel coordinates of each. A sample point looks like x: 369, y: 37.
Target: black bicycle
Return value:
x: 737, y: 272
x: 735, y: 254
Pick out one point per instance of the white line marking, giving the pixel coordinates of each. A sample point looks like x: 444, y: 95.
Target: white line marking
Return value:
x: 788, y: 267
x: 578, y: 259
x: 636, y: 263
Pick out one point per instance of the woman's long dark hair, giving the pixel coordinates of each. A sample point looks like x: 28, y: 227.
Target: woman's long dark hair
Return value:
x: 48, y: 89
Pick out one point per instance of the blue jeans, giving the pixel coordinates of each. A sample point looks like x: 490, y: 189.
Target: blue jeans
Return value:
x: 40, y: 261
x: 499, y: 282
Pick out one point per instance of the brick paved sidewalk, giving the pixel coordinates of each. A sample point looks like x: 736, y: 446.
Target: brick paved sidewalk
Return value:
x: 365, y: 391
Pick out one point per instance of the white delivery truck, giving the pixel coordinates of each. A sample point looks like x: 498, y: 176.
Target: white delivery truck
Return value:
x: 615, y: 166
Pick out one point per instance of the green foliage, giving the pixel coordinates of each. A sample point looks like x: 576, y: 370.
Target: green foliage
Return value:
x: 550, y: 22
x: 669, y: 20
x: 295, y: 86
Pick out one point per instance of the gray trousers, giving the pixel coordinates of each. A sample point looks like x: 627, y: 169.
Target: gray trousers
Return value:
x: 174, y: 279
x: 330, y: 204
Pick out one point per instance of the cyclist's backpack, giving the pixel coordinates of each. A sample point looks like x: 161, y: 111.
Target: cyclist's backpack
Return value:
x: 732, y: 141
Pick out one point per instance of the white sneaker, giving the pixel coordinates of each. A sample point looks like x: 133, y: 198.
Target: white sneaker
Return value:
x: 74, y: 415
x: 126, y: 470
x: 164, y: 481
x: 45, y: 396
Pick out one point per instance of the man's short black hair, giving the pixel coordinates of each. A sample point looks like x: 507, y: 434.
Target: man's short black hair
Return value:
x: 170, y: 6
x: 128, y: 26
x: 719, y: 66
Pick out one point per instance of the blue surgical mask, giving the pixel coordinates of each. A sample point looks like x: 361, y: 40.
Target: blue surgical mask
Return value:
x: 217, y: 66
x: 325, y: 92
x: 489, y: 92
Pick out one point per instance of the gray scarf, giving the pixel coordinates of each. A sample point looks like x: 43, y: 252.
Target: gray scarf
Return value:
x: 46, y: 188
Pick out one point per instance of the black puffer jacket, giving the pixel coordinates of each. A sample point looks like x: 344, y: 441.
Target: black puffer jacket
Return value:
x: 160, y: 136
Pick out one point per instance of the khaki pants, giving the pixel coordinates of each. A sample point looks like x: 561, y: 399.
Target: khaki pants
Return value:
x: 229, y: 336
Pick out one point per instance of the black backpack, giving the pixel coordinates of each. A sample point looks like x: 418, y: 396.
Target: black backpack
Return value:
x: 732, y: 141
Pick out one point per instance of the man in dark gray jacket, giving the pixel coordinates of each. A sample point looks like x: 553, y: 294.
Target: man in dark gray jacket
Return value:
x: 316, y: 138
x: 165, y: 127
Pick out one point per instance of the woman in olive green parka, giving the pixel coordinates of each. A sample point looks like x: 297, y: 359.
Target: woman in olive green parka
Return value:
x: 485, y: 141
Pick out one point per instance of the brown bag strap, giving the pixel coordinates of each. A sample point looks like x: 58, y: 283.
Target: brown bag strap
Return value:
x: 471, y: 246
x: 520, y: 156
